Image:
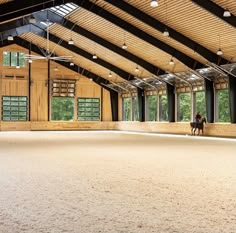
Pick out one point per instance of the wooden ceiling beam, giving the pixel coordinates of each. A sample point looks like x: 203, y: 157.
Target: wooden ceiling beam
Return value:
x: 156, y: 24
x: 182, y: 57
x: 78, y: 69
x: 216, y: 10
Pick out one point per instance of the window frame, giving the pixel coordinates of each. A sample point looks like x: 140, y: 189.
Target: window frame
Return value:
x: 14, y: 103
x: 94, y: 106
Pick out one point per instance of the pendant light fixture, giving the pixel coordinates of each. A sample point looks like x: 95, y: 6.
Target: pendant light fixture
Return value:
x: 226, y: 13
x: 154, y: 3
x: 10, y: 38
x: 124, y: 46
x: 171, y: 62
x: 136, y: 69
x: 219, y: 51
x: 166, y: 32
x: 95, y: 56
x: 71, y: 42
x: 110, y: 75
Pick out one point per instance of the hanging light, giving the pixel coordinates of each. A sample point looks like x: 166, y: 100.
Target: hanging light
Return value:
x: 171, y: 62
x: 56, y: 69
x: 124, y: 46
x: 32, y: 19
x: 30, y: 60
x: 17, y: 67
x: 71, y: 63
x: 166, y: 32
x: 136, y: 69
x: 71, y: 42
x: 91, y: 79
x: 10, y: 37
x: 219, y: 52
x: 226, y: 13
x: 154, y: 3
x: 110, y: 75
x: 95, y: 56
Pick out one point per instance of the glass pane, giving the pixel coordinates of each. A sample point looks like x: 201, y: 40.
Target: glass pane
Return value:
x: 62, y: 109
x: 151, y: 108
x: 23, y: 98
x: 184, y: 107
x: 163, y: 108
x: 14, y: 98
x: 6, y: 98
x: 21, y: 59
x: 90, y: 108
x: 13, y: 58
x: 223, y: 112
x: 135, y: 109
x: 200, y: 103
x: 10, y: 108
x: 6, y: 58
x: 6, y: 118
x: 126, y: 109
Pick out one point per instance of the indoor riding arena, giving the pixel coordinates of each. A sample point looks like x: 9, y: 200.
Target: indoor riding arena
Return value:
x: 118, y: 116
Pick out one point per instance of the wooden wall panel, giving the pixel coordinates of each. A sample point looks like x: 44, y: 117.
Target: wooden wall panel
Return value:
x: 15, y: 87
x: 39, y: 102
x: 106, y: 111
x: 39, y: 89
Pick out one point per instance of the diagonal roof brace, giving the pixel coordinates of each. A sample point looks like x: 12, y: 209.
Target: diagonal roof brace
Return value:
x: 25, y: 44
x: 188, y: 61
x: 216, y: 10
x: 207, y: 54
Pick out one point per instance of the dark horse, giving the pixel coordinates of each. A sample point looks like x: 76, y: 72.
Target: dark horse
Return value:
x: 198, y: 125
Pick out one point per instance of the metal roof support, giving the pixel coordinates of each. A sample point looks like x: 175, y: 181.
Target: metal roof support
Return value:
x: 216, y: 10
x: 171, y: 102
x: 188, y: 61
x: 210, y: 99
x: 141, y: 104
x: 158, y: 25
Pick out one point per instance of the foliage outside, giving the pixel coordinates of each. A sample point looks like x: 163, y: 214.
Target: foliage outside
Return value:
x: 163, y: 108
x: 184, y: 107
x: 126, y: 109
x: 151, y: 107
x: 62, y: 109
x: 200, y: 103
x: 135, y: 109
x: 223, y: 110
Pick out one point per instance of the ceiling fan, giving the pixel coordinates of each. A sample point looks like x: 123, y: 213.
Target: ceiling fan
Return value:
x: 47, y: 54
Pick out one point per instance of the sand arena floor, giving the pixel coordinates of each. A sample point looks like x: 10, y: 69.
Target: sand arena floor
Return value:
x: 91, y: 182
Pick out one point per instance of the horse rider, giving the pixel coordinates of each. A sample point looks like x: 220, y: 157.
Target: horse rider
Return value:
x: 198, y: 117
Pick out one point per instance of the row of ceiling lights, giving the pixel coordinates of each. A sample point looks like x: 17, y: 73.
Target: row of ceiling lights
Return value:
x: 154, y: 3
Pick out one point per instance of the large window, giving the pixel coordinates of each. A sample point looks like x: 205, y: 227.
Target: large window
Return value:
x: 13, y: 59
x: 151, y: 108
x: 135, y: 109
x: 163, y: 108
x: 88, y: 109
x: 200, y: 103
x: 184, y: 107
x: 126, y: 109
x: 222, y: 106
x: 14, y: 108
x: 62, y: 109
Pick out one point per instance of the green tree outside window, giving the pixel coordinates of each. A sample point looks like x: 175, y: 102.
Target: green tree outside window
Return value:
x: 184, y: 107
x: 151, y: 107
x: 200, y: 103
x: 62, y: 109
x: 163, y: 108
x: 126, y: 109
x: 223, y: 110
x: 135, y: 109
